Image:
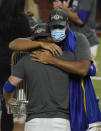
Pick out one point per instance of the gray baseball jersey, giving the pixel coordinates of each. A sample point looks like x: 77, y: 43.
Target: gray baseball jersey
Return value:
x: 86, y: 10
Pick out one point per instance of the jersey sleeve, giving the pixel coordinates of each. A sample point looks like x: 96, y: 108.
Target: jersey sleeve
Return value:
x: 82, y: 48
x: 18, y: 69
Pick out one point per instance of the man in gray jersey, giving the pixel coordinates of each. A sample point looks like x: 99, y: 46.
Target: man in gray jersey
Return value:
x: 83, y: 16
x: 48, y: 86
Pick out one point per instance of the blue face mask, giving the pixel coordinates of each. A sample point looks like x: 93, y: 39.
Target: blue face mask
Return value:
x: 58, y: 35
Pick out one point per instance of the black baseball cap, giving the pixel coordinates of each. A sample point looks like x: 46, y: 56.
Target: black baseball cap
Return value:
x: 58, y: 17
x: 41, y: 30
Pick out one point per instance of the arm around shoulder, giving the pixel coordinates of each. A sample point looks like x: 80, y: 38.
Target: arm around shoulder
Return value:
x: 23, y: 44
x: 75, y: 67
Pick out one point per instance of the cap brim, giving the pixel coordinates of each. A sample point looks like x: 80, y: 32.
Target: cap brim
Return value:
x: 62, y: 23
x: 41, y: 34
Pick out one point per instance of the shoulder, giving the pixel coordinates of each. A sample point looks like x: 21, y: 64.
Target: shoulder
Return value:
x: 23, y: 59
x: 80, y: 35
x: 81, y: 40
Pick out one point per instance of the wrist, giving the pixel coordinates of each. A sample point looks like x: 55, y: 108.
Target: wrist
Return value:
x: 40, y: 44
x: 52, y: 60
x: 65, y: 8
x: 36, y: 44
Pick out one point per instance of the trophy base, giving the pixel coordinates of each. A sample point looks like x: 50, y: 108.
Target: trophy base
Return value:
x: 17, y: 109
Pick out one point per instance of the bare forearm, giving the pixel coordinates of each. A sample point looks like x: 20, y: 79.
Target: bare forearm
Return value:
x: 7, y: 96
x: 23, y: 44
x: 79, y: 67
x: 73, y: 16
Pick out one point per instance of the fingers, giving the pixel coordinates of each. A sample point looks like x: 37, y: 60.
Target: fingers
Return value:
x: 59, y: 51
x: 41, y: 56
x: 34, y: 55
x: 57, y: 5
x: 66, y: 3
x: 38, y: 60
x: 52, y: 50
x: 36, y: 52
x: 9, y: 103
x: 12, y: 101
x: 56, y: 50
x: 39, y: 53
